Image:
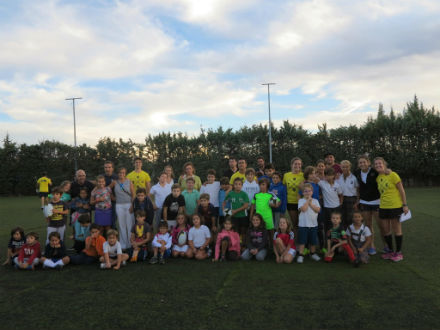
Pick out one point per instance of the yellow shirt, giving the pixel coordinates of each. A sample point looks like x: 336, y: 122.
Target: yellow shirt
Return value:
x: 44, y: 183
x: 139, y: 180
x: 239, y: 175
x: 389, y: 194
x: 292, y: 182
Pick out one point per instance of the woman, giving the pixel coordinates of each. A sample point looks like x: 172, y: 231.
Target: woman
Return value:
x: 189, y: 170
x: 392, y: 205
x: 320, y: 168
x: 170, y: 174
x: 292, y: 180
x: 124, y: 193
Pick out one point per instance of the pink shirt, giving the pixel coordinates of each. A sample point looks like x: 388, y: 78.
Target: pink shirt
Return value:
x: 234, y: 242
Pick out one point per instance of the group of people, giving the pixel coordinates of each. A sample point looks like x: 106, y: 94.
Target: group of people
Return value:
x: 320, y: 211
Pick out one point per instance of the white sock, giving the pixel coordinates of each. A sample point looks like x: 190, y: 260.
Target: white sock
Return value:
x: 60, y: 262
x: 49, y: 263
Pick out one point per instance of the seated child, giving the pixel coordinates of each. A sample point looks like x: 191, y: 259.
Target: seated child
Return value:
x: 29, y: 254
x: 283, y: 242
x: 101, y: 197
x: 227, y: 246
x: 143, y: 203
x: 199, y: 237
x: 55, y: 253
x: 161, y: 244
x: 81, y: 232
x: 80, y: 204
x: 337, y: 239
x: 174, y: 204
x: 93, y: 248
x: 15, y: 244
x: 57, y: 221
x: 180, y: 236
x: 256, y: 240
x: 140, y: 236
x: 359, y: 238
x: 113, y: 256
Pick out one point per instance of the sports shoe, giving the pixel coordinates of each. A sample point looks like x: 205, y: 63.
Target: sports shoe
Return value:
x: 124, y: 263
x: 154, y: 260
x: 103, y: 265
x: 209, y: 252
x: 386, y: 250
x: 300, y: 259
x: 134, y: 259
x: 306, y: 251
x: 162, y: 260
x: 323, y: 250
x: 398, y: 256
x: 372, y: 251
x: 388, y: 256
x: 328, y: 259
x: 315, y: 257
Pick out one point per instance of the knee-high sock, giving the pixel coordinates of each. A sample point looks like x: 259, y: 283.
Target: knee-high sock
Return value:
x: 398, y: 240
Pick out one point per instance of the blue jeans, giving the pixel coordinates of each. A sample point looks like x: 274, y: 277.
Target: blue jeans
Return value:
x: 247, y: 255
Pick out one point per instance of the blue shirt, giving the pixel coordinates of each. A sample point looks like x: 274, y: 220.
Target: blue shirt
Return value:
x: 81, y: 232
x: 221, y: 199
x: 280, y: 191
x: 316, y: 190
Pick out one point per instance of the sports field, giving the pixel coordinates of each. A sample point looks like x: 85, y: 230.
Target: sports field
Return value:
x: 244, y: 295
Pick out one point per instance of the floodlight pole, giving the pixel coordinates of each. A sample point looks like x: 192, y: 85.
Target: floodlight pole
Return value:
x: 74, y: 129
x: 270, y: 120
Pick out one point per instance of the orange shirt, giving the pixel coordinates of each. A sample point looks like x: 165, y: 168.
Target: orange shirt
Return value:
x: 95, y: 249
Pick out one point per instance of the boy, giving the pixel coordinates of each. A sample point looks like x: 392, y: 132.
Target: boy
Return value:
x: 57, y: 221
x: 113, y: 256
x: 278, y: 189
x: 140, y: 178
x: 359, y: 238
x: 29, y: 255
x: 212, y: 188
x: 140, y: 236
x: 159, y: 192
x: 308, y: 223
x: 337, y: 238
x: 142, y: 202
x: 332, y: 196
x: 269, y: 170
x: 225, y: 187
x: 161, y: 244
x: 173, y: 205
x: 191, y: 197
x: 93, y: 247
x: 55, y: 253
x: 80, y: 205
x: 207, y: 213
x: 250, y: 186
x: 239, y: 202
x: 43, y: 184
x: 81, y: 232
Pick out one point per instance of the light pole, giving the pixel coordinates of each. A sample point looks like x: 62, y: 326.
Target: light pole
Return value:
x: 270, y: 120
x: 74, y: 129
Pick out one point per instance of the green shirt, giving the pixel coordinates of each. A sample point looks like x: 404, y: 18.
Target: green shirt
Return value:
x: 262, y: 207
x: 238, y: 199
x: 190, y: 200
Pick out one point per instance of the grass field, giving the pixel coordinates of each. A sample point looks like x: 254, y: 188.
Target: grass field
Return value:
x: 200, y: 295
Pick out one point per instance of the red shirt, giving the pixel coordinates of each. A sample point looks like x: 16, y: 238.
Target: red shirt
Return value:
x: 29, y: 251
x: 287, y: 238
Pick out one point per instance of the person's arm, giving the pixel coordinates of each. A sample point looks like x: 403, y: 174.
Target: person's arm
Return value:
x: 399, y: 187
x: 34, y: 254
x: 304, y: 207
x: 263, y: 243
x: 133, y: 240
x: 169, y: 242
x: 252, y: 211
x: 107, y: 260
x: 99, y: 245
x: 366, y: 243
x: 165, y: 213
x: 207, y: 240
x: 133, y: 195
x: 341, y: 199
x: 315, y: 208
x: 118, y: 261
x: 88, y: 242
x: 217, y: 246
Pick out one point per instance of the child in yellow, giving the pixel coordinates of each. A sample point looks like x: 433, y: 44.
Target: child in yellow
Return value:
x: 43, y: 184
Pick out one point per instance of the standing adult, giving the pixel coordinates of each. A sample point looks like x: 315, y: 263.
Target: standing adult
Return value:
x: 392, y: 205
x: 292, y: 180
x: 349, y: 186
x: 168, y: 169
x: 241, y: 173
x: 79, y: 183
x: 124, y: 192
x: 330, y: 161
x: 260, y: 166
x: 110, y: 176
x: 189, y: 172
x: 320, y: 168
x: 138, y: 177
x: 232, y: 167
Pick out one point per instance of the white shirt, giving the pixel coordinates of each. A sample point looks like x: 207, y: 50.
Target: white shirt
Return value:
x: 212, y: 189
x: 366, y: 232
x: 330, y: 193
x: 162, y: 237
x: 199, y: 235
x: 348, y: 185
x: 308, y: 218
x: 251, y: 188
x: 112, y: 250
x: 160, y: 193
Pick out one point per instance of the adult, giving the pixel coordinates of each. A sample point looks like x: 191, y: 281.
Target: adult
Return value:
x: 124, y: 193
x: 292, y: 180
x: 232, y: 168
x: 43, y: 185
x: 259, y: 171
x: 349, y: 186
x: 79, y: 183
x: 330, y: 161
x: 241, y: 173
x: 109, y: 173
x: 138, y: 177
x: 168, y: 169
x: 392, y: 205
x: 320, y: 168
x: 189, y: 172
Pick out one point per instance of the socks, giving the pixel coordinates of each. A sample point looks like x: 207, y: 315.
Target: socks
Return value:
x: 398, y: 240
x: 389, y: 240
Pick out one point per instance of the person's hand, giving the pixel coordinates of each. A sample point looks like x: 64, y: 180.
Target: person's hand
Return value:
x: 360, y: 250
x: 85, y: 206
x: 24, y: 265
x: 405, y: 209
x: 233, y: 212
x: 130, y: 209
x: 214, y: 229
x: 78, y: 205
x: 253, y: 251
x: 279, y: 259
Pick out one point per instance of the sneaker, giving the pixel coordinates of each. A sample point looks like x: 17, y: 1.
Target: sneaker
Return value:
x: 103, y: 266
x: 154, y: 260
x: 372, y: 251
x: 162, y: 260
x: 134, y: 259
x: 222, y: 258
x: 300, y: 259
x: 209, y: 252
x: 386, y: 250
x: 323, y: 250
x: 306, y: 251
x: 328, y: 259
x: 124, y: 263
x: 315, y: 257
x: 398, y: 256
x: 388, y: 256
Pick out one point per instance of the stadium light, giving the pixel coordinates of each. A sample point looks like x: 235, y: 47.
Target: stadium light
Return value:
x: 74, y: 129
x: 270, y: 120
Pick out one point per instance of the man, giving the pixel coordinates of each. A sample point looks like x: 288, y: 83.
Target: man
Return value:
x: 109, y: 174
x: 330, y: 161
x: 241, y: 173
x: 232, y: 168
x: 80, y: 182
x: 260, y: 166
x: 139, y: 178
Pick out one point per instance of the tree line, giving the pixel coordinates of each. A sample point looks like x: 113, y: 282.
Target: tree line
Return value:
x: 409, y: 141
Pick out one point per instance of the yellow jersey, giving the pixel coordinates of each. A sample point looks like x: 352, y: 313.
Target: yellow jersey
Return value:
x: 44, y: 183
x: 389, y: 194
x: 239, y: 175
x: 139, y: 180
x: 292, y: 182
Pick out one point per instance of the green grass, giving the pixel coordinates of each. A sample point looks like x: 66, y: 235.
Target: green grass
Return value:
x: 200, y: 295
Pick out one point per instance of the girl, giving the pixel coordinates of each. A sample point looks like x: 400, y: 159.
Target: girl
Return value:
x: 102, y: 197
x: 54, y: 253
x: 320, y: 168
x: 392, y: 205
x: 198, y: 239
x: 189, y: 172
x: 65, y: 186
x: 292, y: 180
x: 359, y: 238
x: 227, y: 246
x: 124, y: 192
x: 283, y: 242
x: 349, y: 188
x: 15, y: 244
x: 170, y: 175
x: 180, y: 236
x: 256, y: 240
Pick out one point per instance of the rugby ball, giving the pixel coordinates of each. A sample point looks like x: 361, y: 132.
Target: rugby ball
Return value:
x: 273, y: 201
x: 48, y: 210
x: 181, y: 238
x: 228, y: 211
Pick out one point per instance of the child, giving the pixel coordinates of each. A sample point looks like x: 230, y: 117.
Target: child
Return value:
x: 43, y: 184
x: 359, y: 237
x: 227, y: 246
x: 80, y: 204
x: 278, y: 189
x: 332, y: 195
x: 140, y: 236
x: 207, y: 212
x: 143, y: 202
x: 57, y: 221
x: 337, y: 238
x: 161, y: 244
x: 283, y: 242
x: 81, y: 232
x: 308, y: 223
x: 29, y: 254
x: 349, y: 189
x: 198, y: 239
x: 239, y: 202
x: 225, y: 187
x: 191, y: 197
x: 102, y: 197
x: 65, y: 187
x: 113, y: 256
x: 159, y: 192
x: 256, y: 238
x: 93, y: 248
x: 173, y: 205
x: 55, y: 253
x: 211, y: 187
x: 292, y: 180
x: 15, y: 244
x: 180, y: 236
x: 250, y: 186
x: 269, y: 170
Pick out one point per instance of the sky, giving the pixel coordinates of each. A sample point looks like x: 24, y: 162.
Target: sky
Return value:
x: 147, y: 66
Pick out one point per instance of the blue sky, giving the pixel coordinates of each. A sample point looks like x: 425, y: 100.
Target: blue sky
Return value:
x: 143, y: 67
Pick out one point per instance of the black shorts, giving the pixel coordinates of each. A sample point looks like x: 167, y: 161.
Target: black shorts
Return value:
x: 241, y: 222
x: 368, y: 207
x: 292, y: 207
x: 390, y: 213
x: 43, y: 194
